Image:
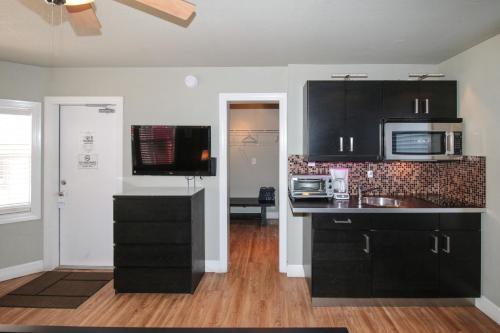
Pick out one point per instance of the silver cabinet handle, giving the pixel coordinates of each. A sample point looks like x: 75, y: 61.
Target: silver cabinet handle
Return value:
x: 367, y: 243
x: 351, y: 144
x: 447, y: 249
x: 416, y: 105
x: 436, y: 244
x: 341, y: 144
x: 348, y: 221
x: 427, y: 106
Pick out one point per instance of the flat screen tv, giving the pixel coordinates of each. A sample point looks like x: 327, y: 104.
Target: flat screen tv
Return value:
x: 171, y: 150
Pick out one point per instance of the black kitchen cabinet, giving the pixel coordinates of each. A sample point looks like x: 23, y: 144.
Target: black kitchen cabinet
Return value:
x: 405, y: 263
x: 341, y: 120
x: 460, y: 255
x: 159, y: 241
x: 362, y: 126
x: 420, y: 99
x: 341, y: 257
x: 396, y: 255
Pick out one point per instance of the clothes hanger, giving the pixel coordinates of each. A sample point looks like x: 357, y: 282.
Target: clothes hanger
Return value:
x: 249, y: 139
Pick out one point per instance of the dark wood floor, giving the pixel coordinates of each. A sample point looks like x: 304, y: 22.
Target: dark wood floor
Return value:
x: 252, y: 294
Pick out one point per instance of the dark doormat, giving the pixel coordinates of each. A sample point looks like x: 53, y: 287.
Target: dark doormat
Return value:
x: 55, y: 289
x: 67, y: 329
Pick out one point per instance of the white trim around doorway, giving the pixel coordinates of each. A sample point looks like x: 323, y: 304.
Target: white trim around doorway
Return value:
x: 51, y: 166
x: 224, y: 100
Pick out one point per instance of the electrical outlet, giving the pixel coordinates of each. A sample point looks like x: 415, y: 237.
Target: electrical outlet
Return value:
x: 370, y: 173
x: 254, y: 161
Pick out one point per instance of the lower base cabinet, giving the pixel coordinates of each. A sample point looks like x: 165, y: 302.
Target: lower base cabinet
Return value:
x: 394, y: 255
x: 341, y: 264
x: 404, y: 264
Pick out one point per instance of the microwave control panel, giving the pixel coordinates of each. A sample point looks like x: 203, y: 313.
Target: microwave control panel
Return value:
x: 457, y: 149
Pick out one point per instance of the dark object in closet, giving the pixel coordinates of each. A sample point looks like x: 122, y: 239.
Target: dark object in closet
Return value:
x: 253, y: 202
x: 266, y: 195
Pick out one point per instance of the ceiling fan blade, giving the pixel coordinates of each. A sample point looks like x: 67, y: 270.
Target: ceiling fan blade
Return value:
x: 178, y: 8
x: 84, y: 20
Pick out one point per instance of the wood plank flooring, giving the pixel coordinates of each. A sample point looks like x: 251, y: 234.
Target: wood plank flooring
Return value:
x: 252, y: 294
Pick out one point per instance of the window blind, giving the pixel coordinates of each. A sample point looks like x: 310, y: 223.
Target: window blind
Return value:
x: 15, y: 162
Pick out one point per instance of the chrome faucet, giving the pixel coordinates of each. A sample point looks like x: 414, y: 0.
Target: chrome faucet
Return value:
x: 360, y: 193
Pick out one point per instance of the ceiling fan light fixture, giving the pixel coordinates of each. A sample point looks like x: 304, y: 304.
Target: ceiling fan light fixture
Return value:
x: 77, y: 2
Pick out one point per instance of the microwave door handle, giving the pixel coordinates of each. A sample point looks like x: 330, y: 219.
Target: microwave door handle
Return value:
x: 450, y: 143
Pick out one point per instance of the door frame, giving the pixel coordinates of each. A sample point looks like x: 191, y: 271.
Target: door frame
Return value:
x: 224, y: 100
x: 51, y: 170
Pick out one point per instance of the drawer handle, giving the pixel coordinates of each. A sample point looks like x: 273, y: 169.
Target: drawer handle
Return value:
x: 436, y: 246
x: 447, y: 249
x: 367, y: 244
x: 348, y: 221
x: 417, y: 102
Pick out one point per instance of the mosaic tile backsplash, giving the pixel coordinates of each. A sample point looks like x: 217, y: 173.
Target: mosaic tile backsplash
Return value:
x: 461, y: 182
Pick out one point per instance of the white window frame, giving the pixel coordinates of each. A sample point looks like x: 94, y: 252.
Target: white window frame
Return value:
x: 35, y: 110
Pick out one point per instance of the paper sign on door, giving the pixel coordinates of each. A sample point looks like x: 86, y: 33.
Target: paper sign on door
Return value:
x: 87, y: 161
x: 87, y: 141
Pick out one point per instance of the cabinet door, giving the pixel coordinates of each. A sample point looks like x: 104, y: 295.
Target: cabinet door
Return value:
x: 460, y: 263
x: 405, y: 263
x: 341, y: 264
x: 439, y: 99
x: 363, y: 111
x: 325, y: 118
x: 399, y: 99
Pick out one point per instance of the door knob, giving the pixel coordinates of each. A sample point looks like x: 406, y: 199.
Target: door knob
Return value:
x: 63, y: 182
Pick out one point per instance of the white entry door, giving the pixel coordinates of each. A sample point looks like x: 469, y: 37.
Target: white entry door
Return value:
x: 90, y: 173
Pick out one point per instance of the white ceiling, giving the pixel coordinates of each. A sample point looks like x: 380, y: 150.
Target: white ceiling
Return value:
x: 252, y: 33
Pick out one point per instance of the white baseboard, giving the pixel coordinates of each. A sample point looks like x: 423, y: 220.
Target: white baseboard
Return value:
x: 13, y: 272
x: 214, y: 266
x: 295, y: 271
x: 488, y: 308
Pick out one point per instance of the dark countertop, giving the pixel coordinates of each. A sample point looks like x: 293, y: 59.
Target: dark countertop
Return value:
x: 431, y: 204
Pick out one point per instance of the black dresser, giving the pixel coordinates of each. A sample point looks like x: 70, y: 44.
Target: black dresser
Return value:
x: 159, y: 240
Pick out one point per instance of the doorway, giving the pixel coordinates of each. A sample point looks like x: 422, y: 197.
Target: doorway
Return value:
x: 225, y: 101
x: 82, y: 170
x: 88, y: 165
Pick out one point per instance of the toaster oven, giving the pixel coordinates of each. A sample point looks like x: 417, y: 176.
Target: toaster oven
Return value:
x: 311, y: 186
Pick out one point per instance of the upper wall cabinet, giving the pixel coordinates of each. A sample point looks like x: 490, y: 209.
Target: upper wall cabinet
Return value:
x: 341, y: 120
x: 420, y: 99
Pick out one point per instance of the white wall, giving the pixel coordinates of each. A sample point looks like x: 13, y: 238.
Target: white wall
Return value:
x: 246, y: 178
x: 21, y: 242
x: 159, y: 96
x: 297, y: 76
x: 478, y: 73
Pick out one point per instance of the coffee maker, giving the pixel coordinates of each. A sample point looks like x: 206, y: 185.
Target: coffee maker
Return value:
x: 340, y: 178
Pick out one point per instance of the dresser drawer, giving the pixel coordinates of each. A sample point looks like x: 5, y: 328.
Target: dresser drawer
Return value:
x: 158, y: 280
x: 341, y: 221
x: 152, y: 210
x: 172, y: 255
x: 151, y: 233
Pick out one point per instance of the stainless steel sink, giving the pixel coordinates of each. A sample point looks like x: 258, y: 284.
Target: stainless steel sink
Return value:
x: 381, y: 202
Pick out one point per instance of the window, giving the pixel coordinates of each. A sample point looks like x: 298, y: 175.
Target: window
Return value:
x: 20, y: 161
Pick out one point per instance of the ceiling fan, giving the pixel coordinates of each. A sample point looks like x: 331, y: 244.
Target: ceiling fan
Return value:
x: 84, y: 20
